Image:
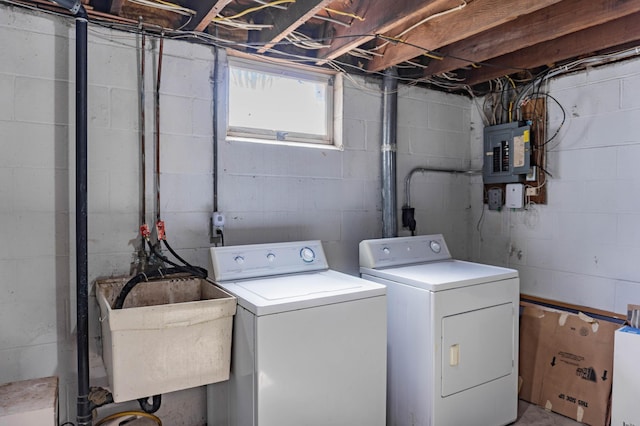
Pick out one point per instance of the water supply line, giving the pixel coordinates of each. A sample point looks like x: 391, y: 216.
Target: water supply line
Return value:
x: 408, y: 212
x: 388, y: 151
x: 83, y: 416
x: 157, y: 108
x: 141, y: 256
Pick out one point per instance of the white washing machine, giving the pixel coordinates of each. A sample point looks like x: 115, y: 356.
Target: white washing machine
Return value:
x: 452, y: 334
x: 309, y: 343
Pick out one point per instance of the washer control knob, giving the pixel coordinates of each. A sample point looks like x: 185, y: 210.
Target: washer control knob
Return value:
x: 386, y: 250
x: 435, y: 246
x: 307, y: 255
x: 239, y: 260
x: 271, y: 257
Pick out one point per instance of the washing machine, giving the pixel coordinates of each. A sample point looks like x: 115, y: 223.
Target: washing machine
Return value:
x: 309, y: 343
x: 452, y: 334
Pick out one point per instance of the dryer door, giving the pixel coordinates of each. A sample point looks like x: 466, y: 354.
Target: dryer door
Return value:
x: 477, y: 347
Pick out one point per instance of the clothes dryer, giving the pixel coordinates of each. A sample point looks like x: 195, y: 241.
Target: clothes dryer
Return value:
x: 452, y: 334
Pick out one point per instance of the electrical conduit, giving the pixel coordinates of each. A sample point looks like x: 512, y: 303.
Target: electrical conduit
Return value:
x: 388, y: 151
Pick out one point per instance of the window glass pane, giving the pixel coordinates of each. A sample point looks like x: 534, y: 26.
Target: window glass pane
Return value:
x: 278, y: 103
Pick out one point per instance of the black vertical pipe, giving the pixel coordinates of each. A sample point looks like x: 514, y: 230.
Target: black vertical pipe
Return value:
x: 143, y: 160
x: 216, y: 87
x: 82, y: 287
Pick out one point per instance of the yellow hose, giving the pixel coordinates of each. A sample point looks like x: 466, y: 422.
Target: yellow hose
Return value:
x: 129, y: 413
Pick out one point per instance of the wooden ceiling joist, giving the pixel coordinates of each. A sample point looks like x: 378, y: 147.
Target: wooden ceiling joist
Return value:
x: 478, y: 40
x: 378, y: 20
x: 286, y: 21
x: 588, y: 41
x: 544, y: 25
x: 478, y: 16
x: 116, y: 7
x: 206, y: 10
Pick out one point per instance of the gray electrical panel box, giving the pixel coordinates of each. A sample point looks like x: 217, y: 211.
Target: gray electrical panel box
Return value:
x: 507, y: 153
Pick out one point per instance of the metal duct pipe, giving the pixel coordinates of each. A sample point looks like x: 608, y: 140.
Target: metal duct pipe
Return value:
x: 388, y: 149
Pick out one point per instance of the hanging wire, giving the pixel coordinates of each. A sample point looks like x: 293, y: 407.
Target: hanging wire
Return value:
x: 341, y: 13
x: 252, y: 9
x: 163, y: 5
x: 421, y: 22
x: 210, y: 39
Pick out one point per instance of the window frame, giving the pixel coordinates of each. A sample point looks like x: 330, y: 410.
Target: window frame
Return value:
x: 333, y: 108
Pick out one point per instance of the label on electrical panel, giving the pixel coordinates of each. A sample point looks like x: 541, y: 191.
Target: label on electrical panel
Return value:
x: 519, y: 149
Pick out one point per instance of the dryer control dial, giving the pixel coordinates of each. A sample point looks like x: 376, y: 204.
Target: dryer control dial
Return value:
x: 239, y: 260
x: 435, y: 246
x: 386, y: 250
x: 271, y: 257
x: 307, y: 255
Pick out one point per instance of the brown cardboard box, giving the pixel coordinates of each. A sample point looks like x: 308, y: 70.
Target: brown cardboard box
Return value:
x: 566, y: 362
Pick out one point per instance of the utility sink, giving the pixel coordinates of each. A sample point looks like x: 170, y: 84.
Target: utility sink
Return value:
x: 171, y: 334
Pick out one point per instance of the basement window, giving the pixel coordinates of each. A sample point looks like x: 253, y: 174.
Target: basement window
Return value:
x: 283, y: 104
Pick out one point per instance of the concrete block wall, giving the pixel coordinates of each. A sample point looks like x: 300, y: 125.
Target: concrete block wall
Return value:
x: 285, y: 193
x: 583, y: 246
x: 434, y: 131
x: 37, y: 185
x: 269, y: 192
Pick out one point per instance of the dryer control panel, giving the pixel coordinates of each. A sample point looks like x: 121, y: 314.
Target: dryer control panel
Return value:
x: 263, y: 260
x: 384, y: 252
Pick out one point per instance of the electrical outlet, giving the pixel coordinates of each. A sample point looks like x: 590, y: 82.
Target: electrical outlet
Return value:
x: 218, y: 219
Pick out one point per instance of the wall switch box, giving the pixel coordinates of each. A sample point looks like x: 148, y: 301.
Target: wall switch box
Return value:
x: 495, y: 198
x: 531, y: 192
x: 515, y: 196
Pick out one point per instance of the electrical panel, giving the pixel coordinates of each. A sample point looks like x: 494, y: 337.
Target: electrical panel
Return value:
x: 507, y: 153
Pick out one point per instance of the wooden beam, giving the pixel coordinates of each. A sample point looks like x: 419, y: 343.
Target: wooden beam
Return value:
x: 116, y: 7
x: 476, y: 17
x: 547, y: 24
x: 535, y: 301
x: 610, y: 34
x: 380, y: 17
x: 206, y: 10
x: 286, y: 21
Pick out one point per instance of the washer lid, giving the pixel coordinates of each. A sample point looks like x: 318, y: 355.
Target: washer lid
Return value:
x: 270, y: 295
x: 443, y: 275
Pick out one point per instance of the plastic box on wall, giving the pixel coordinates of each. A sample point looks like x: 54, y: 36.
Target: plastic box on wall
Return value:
x: 170, y: 335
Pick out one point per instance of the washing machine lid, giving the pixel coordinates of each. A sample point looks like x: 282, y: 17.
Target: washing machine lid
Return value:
x: 442, y: 275
x: 271, y: 295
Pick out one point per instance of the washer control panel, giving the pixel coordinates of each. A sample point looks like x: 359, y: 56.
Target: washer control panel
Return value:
x: 385, y: 252
x: 263, y: 260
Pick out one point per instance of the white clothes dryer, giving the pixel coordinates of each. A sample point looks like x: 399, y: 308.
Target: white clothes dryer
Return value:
x: 452, y: 334
x: 309, y: 343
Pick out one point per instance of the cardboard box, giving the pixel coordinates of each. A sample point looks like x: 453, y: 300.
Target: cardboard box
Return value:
x: 566, y: 363
x: 625, y: 407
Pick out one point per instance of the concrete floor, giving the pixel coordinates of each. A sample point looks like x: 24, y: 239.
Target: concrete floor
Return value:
x: 532, y: 415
